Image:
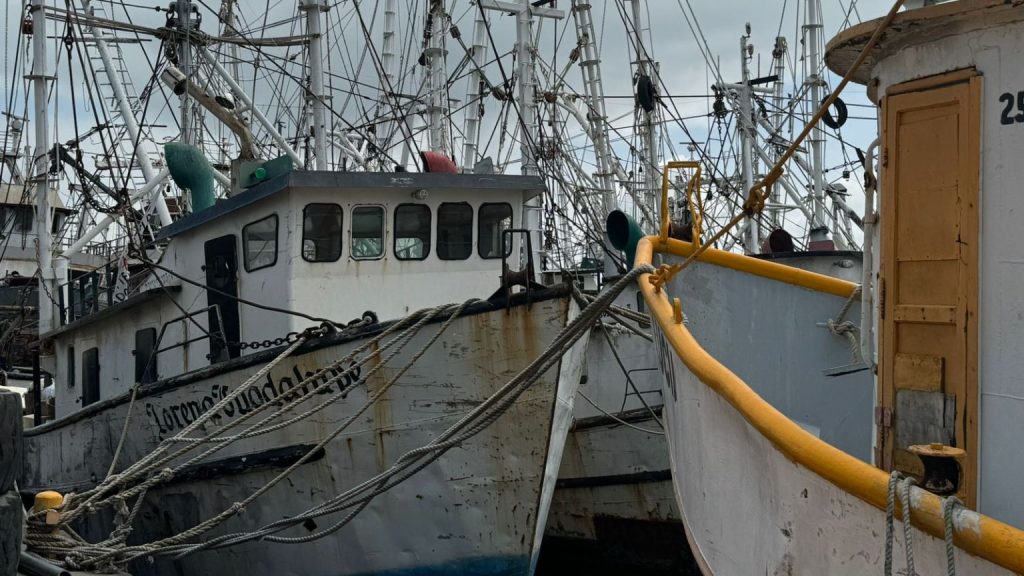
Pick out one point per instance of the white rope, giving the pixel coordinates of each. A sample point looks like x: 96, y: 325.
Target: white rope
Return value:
x: 949, y: 505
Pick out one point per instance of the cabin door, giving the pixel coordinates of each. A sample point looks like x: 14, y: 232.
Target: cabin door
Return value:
x: 929, y: 273
x: 221, y: 295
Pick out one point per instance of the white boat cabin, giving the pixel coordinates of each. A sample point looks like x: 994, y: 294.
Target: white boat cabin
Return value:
x: 330, y: 244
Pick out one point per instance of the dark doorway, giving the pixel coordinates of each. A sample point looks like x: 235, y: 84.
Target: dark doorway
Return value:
x: 222, y: 296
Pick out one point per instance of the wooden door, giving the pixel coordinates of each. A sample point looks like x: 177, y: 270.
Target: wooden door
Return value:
x: 929, y: 273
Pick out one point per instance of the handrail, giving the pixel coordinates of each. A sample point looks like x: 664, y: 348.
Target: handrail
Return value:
x: 975, y: 533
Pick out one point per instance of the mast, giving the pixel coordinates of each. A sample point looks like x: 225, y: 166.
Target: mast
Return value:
x: 527, y: 103
x: 474, y: 95
x: 184, y: 13
x: 128, y: 117
x: 747, y: 130
x: 40, y: 77
x: 313, y: 8
x: 647, y: 75
x: 437, y: 78
x: 593, y: 88
x: 387, y: 82
x: 779, y: 57
x: 813, y: 80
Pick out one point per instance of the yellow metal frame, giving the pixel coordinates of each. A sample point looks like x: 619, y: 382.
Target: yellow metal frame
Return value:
x: 696, y: 210
x: 988, y: 538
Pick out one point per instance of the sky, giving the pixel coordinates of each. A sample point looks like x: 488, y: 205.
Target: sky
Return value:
x: 354, y: 77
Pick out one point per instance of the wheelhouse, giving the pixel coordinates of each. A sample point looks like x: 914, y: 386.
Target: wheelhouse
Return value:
x: 326, y: 244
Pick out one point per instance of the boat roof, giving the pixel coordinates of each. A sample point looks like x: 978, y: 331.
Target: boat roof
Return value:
x: 913, y: 27
x: 13, y: 194
x: 394, y: 181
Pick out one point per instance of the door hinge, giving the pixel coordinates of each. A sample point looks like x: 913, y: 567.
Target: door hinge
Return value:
x: 883, y: 417
x: 885, y: 157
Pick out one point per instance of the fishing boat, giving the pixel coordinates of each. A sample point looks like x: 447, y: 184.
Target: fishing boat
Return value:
x: 788, y: 458
x: 358, y: 361
x: 137, y: 373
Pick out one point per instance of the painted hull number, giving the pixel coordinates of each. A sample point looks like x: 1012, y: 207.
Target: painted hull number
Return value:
x: 1011, y: 103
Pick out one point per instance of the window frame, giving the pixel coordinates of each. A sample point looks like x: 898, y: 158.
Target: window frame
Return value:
x: 341, y: 232
x: 472, y: 216
x: 501, y: 236
x: 430, y: 231
x: 383, y: 231
x: 245, y: 242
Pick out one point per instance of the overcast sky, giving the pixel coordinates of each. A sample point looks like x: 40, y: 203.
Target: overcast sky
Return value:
x: 683, y: 68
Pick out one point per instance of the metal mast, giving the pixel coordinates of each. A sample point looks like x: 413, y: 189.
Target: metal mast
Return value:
x: 40, y: 78
x: 593, y: 88
x: 748, y: 132
x: 647, y: 72
x: 313, y: 8
x: 590, y: 66
x: 475, y: 91
x: 387, y: 85
x: 527, y: 104
x: 128, y: 117
x: 437, y: 78
x: 776, y: 214
x: 184, y: 13
x: 814, y: 81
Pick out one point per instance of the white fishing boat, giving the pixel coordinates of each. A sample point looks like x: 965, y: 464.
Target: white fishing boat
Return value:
x: 224, y: 381
x: 788, y: 457
x: 137, y: 375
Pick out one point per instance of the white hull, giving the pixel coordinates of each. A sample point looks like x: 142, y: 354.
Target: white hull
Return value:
x: 477, y: 509
x: 749, y: 384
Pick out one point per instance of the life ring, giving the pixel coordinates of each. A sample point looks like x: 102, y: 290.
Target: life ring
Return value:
x: 842, y: 114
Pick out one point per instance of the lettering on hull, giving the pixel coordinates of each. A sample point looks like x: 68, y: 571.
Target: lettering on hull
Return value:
x: 169, y: 416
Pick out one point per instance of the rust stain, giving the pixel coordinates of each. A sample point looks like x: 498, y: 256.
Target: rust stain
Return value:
x: 382, y: 420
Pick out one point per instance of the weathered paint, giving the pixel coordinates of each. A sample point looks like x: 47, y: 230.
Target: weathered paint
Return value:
x: 476, y: 508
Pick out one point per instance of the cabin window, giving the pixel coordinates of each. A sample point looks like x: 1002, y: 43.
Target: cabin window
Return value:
x: 145, y: 355
x: 494, y: 219
x: 412, y: 231
x: 367, y: 232
x: 259, y: 242
x: 90, y: 376
x: 454, y: 231
x: 16, y: 219
x: 321, y: 233
x: 71, y: 366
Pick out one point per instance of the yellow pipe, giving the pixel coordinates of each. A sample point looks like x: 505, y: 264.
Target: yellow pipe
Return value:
x: 993, y: 540
x: 758, y: 267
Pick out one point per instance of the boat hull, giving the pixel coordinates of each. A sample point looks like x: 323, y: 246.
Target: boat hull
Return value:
x: 614, y: 503
x: 476, y: 509
x: 749, y: 504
